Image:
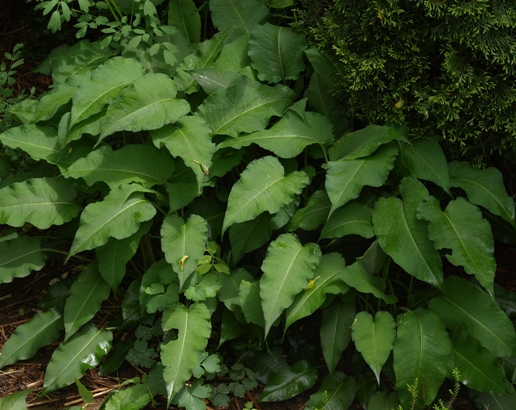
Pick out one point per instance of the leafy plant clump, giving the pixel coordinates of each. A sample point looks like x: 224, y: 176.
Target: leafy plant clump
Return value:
x: 216, y: 195
x: 440, y: 67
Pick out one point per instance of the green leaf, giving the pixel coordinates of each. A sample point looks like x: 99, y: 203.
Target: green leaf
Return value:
x: 462, y: 229
x: 425, y: 159
x: 421, y: 353
x: 80, y: 58
x: 484, y: 187
x: 405, y: 238
x: 493, y: 401
x: 212, y: 81
x: 313, y: 214
x: 206, y: 288
x: 181, y: 356
x: 107, y: 82
x: 241, y: 15
x: 190, y: 139
x: 130, y: 398
x: 331, y: 71
x: 15, y: 401
x: 287, y: 268
x: 19, y: 257
x: 184, y: 15
x: 289, y: 136
x: 268, y: 364
x: 350, y: 219
x: 465, y: 307
x: 86, y: 295
x: 147, y: 104
x: 374, y: 338
x: 116, y: 357
x: 42, y: 202
x: 181, y: 194
x: 190, y: 397
x: 335, y: 330
x: 233, y: 57
x: 321, y: 100
x: 477, y: 365
x: 184, y: 243
x: 39, y: 142
x: 114, y: 255
x: 153, y: 294
x: 251, y: 303
x: 357, y: 277
x: 346, y: 178
x: 277, y: 53
x: 229, y: 293
x: 230, y: 328
x: 289, y: 382
x: 326, y: 280
x: 364, y: 142
x: 132, y: 163
x: 74, y: 357
x: 43, y: 329
x: 250, y: 235
x: 240, y: 109
x: 336, y: 393
x: 86, y: 395
x: 119, y: 216
x: 381, y: 400
x: 262, y: 187
x: 53, y: 100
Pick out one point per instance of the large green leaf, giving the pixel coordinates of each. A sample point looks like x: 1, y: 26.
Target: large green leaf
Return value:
x: 190, y: 139
x: 330, y: 70
x: 239, y: 109
x: 79, y: 58
x: 19, y: 257
x: 86, y: 295
x: 181, y: 356
x: 350, y: 219
x: 119, y: 216
x: 276, y: 53
x: 130, y: 398
x: 364, y: 142
x: 42, y: 202
x: 106, y: 84
x: 336, y: 393
x: 114, y: 255
x: 39, y: 142
x: 493, y: 401
x: 462, y: 229
x: 335, y: 333
x: 382, y: 400
x: 251, y: 303
x: 54, y: 99
x: 346, y: 178
x: 184, y: 243
x: 326, y: 281
x: 211, y: 80
x: 374, y: 338
x: 74, y: 357
x: 132, y: 163
x: 289, y: 382
x: 484, y: 187
x: 289, y: 136
x: 15, y: 401
x: 159, y: 287
x: 229, y: 294
x: 425, y: 159
x: 405, y: 238
x: 148, y: 103
x: 233, y: 56
x: 43, y: 329
x: 421, y: 353
x: 250, y: 235
x: 262, y: 187
x: 357, y: 277
x: 287, y: 268
x: 313, y: 214
x: 184, y: 15
x: 324, y: 102
x: 240, y: 15
x: 477, y: 365
x: 465, y: 307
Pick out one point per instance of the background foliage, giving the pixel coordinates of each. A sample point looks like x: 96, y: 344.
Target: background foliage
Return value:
x: 444, y: 68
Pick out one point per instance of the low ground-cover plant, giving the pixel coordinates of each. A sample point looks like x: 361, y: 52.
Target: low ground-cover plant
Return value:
x: 215, y: 198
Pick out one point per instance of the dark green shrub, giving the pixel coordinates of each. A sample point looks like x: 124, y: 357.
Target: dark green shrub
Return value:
x: 445, y: 67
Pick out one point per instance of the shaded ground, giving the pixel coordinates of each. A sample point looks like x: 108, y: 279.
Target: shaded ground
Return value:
x: 18, y: 299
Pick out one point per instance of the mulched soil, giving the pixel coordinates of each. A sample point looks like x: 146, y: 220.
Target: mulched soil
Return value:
x: 18, y: 299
